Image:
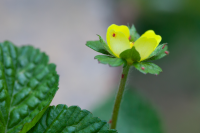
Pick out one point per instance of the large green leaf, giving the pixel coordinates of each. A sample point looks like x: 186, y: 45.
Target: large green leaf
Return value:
x: 147, y: 67
x: 63, y: 119
x: 27, y: 86
x: 97, y: 46
x: 136, y: 114
x: 112, y: 61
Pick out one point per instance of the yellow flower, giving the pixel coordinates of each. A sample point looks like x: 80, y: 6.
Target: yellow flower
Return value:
x: 118, y: 41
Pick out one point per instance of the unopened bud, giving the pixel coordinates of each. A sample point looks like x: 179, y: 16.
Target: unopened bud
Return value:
x: 142, y: 68
x: 122, y: 76
x: 110, y: 121
x: 129, y: 38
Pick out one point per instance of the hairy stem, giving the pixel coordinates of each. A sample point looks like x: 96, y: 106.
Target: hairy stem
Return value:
x: 119, y: 97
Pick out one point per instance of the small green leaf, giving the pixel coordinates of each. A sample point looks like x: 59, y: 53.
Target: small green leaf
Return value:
x: 136, y: 114
x: 27, y: 86
x: 105, y: 45
x: 157, y: 50
x: 162, y: 54
x: 133, y: 33
x: 63, y: 119
x: 112, y: 61
x: 97, y: 46
x: 147, y: 67
x: 158, y: 53
x: 131, y: 55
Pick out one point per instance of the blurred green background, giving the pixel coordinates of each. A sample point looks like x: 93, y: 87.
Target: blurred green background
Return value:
x: 61, y: 29
x: 175, y: 92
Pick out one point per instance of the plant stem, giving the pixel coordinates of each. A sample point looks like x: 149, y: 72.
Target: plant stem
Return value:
x: 119, y: 97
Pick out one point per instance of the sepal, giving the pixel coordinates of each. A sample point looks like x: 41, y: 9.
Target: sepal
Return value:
x: 133, y: 33
x: 112, y: 61
x: 130, y: 55
x: 159, y: 52
x: 147, y: 67
x: 105, y: 45
x: 97, y: 46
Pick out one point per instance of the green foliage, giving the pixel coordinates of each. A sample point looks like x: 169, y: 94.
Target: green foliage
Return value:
x: 70, y: 120
x: 133, y: 33
x: 158, y: 53
x: 147, y: 67
x: 136, y: 114
x: 112, y: 61
x: 131, y: 55
x: 27, y: 86
x: 97, y: 46
x: 100, y: 46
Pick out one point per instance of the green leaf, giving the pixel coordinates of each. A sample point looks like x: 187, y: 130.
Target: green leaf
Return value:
x: 157, y: 50
x: 131, y: 55
x: 147, y: 67
x: 136, y: 114
x: 112, y: 61
x: 97, y: 46
x: 105, y: 45
x: 133, y: 33
x: 27, y: 86
x: 158, y: 53
x: 28, y: 126
x: 70, y: 120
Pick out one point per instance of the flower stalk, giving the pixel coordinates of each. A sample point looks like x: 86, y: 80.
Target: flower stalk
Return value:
x: 119, y: 96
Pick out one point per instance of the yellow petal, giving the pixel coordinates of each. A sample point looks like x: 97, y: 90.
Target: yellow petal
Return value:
x: 151, y: 34
x: 122, y: 28
x: 145, y: 46
x: 118, y: 42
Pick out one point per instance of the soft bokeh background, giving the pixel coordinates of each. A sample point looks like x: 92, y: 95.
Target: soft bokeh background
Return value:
x: 61, y: 28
